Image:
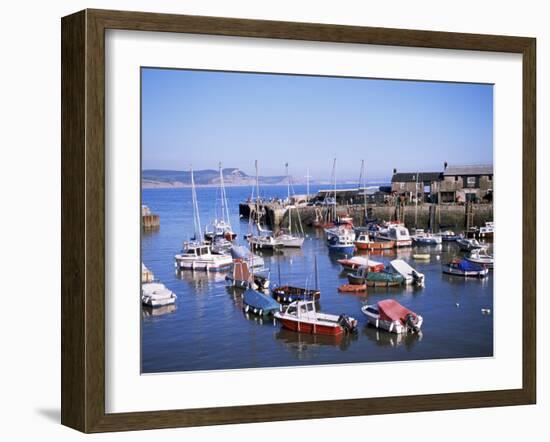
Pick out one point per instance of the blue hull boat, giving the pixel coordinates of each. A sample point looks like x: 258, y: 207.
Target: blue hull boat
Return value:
x: 259, y: 304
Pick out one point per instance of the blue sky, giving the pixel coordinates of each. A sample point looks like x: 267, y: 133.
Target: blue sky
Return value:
x: 201, y: 118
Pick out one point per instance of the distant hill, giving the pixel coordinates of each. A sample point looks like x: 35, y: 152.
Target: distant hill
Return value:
x: 207, y: 177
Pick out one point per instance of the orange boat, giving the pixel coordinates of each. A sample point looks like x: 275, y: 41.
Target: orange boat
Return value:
x: 352, y: 288
x: 363, y: 242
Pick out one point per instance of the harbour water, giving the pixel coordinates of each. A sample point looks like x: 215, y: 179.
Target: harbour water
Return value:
x: 207, y: 329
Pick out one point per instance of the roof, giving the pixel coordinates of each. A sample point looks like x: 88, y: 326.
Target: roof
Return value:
x: 410, y: 177
x: 469, y: 169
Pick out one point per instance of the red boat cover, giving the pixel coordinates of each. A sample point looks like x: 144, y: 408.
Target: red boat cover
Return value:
x: 240, y: 270
x: 391, y: 310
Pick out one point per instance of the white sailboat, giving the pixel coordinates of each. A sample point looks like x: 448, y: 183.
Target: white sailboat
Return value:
x: 221, y: 227
x: 196, y: 254
x: 264, y: 238
x: 287, y: 238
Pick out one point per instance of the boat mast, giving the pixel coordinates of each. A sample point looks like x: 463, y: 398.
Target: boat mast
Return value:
x: 257, y: 194
x: 307, y: 185
x: 288, y: 200
x: 334, y: 183
x: 362, y: 183
x: 196, y: 215
x: 225, y: 206
x: 416, y: 202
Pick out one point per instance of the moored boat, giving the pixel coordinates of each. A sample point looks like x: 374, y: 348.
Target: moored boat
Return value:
x: 391, y: 316
x: 397, y: 233
x: 363, y: 242
x: 462, y: 267
x: 467, y: 245
x: 259, y: 303
x: 340, y: 240
x: 384, y: 279
x: 155, y: 294
x: 240, y: 276
x: 357, y: 262
x: 302, y: 316
x: 198, y: 256
x: 481, y: 257
x: 286, y: 294
x: 221, y: 227
x: 411, y: 275
x: 421, y: 256
x: 422, y: 238
x: 448, y: 236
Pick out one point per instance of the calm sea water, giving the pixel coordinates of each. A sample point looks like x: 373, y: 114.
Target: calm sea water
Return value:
x: 208, y: 330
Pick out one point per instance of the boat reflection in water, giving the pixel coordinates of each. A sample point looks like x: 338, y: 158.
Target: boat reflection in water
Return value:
x: 201, y: 281
x: 150, y: 312
x: 303, y: 345
x: 387, y: 339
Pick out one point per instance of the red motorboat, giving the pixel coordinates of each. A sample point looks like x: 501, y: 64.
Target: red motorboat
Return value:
x: 302, y: 317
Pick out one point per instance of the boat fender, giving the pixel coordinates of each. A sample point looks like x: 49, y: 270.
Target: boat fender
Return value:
x: 260, y: 312
x: 246, y: 308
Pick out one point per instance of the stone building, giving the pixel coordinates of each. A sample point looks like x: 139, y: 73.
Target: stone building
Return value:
x: 466, y: 183
x: 423, y: 184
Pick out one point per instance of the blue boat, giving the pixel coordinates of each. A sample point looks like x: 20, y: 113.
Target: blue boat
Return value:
x: 259, y: 303
x: 340, y: 240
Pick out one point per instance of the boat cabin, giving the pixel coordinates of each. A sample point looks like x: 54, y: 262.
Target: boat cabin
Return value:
x: 398, y: 233
x: 195, y: 250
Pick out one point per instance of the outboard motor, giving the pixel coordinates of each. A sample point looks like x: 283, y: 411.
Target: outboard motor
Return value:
x: 346, y: 324
x: 411, y: 323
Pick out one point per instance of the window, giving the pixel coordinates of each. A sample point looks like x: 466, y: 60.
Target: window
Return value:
x: 490, y: 177
x: 401, y: 185
x: 456, y: 178
x: 471, y: 181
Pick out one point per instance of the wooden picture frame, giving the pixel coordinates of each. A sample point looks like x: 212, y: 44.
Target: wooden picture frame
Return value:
x: 83, y: 220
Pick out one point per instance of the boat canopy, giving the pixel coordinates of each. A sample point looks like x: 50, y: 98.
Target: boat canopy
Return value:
x: 391, y: 310
x: 467, y: 266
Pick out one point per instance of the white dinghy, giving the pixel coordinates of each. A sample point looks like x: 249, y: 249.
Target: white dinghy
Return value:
x: 411, y: 275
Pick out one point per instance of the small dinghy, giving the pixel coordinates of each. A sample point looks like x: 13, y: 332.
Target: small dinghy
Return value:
x: 448, y: 236
x: 155, y: 294
x: 406, y: 271
x: 462, y: 267
x: 467, y: 245
x: 359, y: 261
x: 481, y: 257
x: 421, y: 256
x: 259, y: 304
x: 302, y: 316
x: 352, y: 288
x: 391, y: 316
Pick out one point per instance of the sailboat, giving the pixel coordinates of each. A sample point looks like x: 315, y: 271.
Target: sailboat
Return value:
x: 285, y: 294
x: 221, y: 225
x: 264, y: 238
x: 340, y: 238
x: 197, y: 254
x: 287, y: 238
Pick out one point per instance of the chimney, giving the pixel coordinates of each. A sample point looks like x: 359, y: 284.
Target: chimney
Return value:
x: 445, y: 165
x: 394, y: 170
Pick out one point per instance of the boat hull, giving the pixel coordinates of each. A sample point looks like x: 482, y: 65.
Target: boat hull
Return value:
x: 375, y: 245
x: 311, y: 328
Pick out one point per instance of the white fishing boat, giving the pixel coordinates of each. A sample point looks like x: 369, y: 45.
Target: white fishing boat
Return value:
x: 411, y: 275
x: 155, y: 294
x: 481, y: 257
x: 397, y: 233
x: 391, y: 316
x: 196, y: 254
